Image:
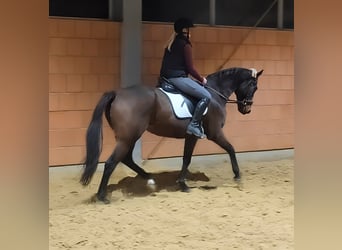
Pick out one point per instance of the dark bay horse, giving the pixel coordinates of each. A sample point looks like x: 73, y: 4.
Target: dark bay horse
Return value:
x: 131, y: 111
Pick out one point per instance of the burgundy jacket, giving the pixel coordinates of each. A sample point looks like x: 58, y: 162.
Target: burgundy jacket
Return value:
x: 178, y: 61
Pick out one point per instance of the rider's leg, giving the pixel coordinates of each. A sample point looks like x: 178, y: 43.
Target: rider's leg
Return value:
x: 192, y: 88
x: 195, y: 126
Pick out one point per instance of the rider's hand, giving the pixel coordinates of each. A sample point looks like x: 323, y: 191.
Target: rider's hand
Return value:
x: 204, y: 81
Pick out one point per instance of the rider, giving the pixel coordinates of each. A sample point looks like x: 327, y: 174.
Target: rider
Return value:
x: 177, y: 65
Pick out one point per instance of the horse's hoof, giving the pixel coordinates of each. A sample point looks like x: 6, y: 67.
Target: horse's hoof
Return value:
x: 95, y: 198
x: 237, y: 178
x: 105, y: 201
x: 183, y: 187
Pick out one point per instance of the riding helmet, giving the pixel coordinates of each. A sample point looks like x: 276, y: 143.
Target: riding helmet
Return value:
x: 182, y: 23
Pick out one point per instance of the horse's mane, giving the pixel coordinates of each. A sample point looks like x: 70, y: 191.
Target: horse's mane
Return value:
x: 224, y: 72
x: 236, y: 71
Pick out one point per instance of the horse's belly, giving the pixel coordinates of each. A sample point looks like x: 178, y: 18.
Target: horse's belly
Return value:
x: 167, y: 131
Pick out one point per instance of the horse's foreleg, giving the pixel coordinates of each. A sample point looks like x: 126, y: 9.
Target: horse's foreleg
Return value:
x: 225, y: 144
x: 189, y: 145
x: 119, y: 152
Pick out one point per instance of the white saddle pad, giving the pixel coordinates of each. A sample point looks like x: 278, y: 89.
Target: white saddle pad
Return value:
x: 178, y: 103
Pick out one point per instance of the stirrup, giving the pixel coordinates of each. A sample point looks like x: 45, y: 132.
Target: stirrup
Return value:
x: 192, y: 130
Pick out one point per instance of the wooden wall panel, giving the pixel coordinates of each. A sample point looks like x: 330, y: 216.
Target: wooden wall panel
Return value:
x: 84, y: 61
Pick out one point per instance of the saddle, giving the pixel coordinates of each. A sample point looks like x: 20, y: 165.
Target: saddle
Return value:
x: 183, y: 105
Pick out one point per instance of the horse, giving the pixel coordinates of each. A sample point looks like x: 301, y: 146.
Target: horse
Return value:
x: 133, y: 110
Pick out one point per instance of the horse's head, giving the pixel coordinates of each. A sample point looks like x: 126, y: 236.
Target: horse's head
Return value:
x: 243, y: 82
x: 246, y: 89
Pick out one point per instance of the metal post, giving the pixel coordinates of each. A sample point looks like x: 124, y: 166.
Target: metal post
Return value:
x: 115, y: 10
x: 212, y: 12
x: 131, y: 43
x: 111, y: 9
x: 131, y: 40
x: 280, y: 14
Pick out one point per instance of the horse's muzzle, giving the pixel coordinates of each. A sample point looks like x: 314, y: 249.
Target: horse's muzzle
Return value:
x: 245, y: 106
x: 244, y: 109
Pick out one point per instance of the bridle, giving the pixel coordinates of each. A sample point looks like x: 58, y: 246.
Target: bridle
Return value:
x: 244, y: 102
x: 221, y: 95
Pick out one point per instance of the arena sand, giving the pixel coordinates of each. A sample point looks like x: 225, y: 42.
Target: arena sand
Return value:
x: 218, y: 213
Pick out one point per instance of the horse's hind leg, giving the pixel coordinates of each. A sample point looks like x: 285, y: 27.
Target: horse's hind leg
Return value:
x: 118, y: 154
x: 129, y: 162
x: 189, y: 145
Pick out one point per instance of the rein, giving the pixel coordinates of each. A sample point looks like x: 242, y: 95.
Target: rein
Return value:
x: 225, y: 97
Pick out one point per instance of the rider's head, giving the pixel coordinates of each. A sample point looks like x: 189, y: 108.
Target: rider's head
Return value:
x: 182, y: 25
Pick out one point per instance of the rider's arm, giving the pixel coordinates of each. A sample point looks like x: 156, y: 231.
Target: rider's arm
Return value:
x: 190, y: 66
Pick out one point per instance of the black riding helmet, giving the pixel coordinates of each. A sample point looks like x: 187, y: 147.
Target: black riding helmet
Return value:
x: 182, y: 23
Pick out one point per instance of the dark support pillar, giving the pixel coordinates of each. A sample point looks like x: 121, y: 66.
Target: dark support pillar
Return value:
x: 131, y: 55
x: 280, y: 14
x: 131, y: 43
x: 115, y: 10
x: 212, y: 12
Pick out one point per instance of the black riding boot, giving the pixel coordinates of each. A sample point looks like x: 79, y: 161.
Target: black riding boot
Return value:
x: 195, y: 127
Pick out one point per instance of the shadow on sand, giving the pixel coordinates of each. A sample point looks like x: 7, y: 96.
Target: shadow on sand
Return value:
x: 137, y: 186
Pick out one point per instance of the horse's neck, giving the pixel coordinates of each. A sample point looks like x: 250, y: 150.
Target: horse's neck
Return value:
x: 226, y: 81
x: 229, y: 86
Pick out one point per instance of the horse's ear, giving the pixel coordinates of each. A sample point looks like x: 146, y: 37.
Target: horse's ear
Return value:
x: 259, y: 73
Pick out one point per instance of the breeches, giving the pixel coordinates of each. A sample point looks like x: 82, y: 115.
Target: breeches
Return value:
x: 190, y: 87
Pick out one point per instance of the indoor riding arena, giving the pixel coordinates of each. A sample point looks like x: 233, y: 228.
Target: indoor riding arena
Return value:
x: 102, y: 47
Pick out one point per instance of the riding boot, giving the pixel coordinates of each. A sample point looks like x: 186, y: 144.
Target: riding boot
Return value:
x: 195, y: 127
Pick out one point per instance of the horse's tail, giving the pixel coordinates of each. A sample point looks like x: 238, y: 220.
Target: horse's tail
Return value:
x: 94, y: 137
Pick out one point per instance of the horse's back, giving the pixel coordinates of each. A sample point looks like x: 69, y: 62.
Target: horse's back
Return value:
x: 139, y: 108
x: 135, y: 91
x: 134, y: 99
